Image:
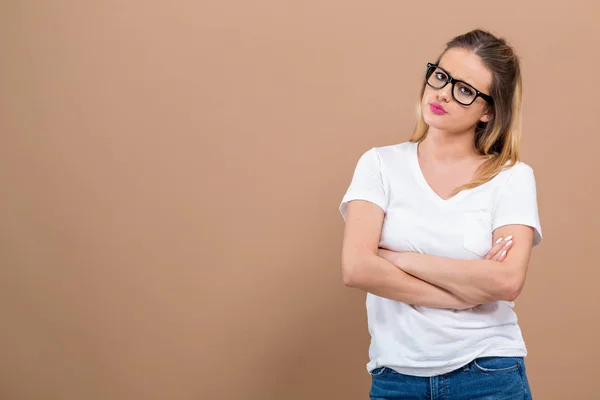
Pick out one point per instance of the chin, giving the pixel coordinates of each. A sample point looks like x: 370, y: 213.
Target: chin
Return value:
x: 433, y: 120
x: 443, y: 126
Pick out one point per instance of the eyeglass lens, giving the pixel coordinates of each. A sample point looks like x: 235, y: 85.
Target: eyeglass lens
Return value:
x: 463, y: 93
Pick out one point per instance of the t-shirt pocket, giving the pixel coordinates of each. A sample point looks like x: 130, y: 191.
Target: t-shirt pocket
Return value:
x: 477, y: 232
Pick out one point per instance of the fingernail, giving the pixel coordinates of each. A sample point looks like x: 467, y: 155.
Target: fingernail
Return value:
x: 503, y: 253
x: 508, y: 237
x: 508, y: 243
x: 499, y: 240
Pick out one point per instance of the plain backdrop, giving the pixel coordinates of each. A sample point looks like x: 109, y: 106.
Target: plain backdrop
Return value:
x: 170, y: 174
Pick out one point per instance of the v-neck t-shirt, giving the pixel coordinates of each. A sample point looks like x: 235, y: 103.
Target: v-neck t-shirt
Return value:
x: 425, y: 341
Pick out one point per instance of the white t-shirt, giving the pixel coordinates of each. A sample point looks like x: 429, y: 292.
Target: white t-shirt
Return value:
x: 425, y: 341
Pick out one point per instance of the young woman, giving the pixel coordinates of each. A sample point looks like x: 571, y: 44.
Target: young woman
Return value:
x: 439, y: 231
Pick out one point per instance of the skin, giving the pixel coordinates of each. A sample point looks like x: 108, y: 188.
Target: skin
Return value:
x: 448, y: 159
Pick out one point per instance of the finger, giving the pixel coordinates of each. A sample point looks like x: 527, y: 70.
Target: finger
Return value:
x: 502, y: 253
x: 499, y: 246
x: 494, y: 250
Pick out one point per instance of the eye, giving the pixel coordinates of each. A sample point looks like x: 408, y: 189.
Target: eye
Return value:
x: 440, y: 76
x: 466, y: 91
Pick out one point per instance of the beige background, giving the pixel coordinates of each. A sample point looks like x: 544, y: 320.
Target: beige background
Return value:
x: 171, y: 172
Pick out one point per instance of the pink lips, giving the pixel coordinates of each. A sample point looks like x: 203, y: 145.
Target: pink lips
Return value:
x: 437, y: 108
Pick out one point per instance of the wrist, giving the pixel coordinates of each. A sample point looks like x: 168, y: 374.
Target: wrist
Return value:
x: 403, y: 260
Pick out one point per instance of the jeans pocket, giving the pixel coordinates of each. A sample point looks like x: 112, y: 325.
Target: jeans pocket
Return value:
x: 496, y: 364
x: 378, y: 371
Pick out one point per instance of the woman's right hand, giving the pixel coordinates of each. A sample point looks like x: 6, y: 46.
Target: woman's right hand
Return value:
x: 500, y: 249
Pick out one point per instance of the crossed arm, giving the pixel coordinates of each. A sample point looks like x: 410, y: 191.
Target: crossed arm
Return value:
x: 430, y: 280
x: 475, y: 281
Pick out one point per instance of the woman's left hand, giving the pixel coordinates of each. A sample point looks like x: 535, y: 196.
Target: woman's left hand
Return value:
x: 500, y: 249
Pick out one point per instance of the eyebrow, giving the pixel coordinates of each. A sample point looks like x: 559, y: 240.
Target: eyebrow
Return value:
x: 449, y: 74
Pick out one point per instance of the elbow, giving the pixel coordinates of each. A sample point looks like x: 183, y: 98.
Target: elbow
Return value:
x: 352, y: 268
x: 503, y: 286
x: 348, y: 280
x: 350, y: 275
x: 511, y: 293
x: 511, y: 288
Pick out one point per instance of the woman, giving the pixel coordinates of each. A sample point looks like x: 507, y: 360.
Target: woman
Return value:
x: 439, y: 232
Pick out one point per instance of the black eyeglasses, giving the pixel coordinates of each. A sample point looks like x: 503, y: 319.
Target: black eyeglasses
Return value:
x: 462, y: 92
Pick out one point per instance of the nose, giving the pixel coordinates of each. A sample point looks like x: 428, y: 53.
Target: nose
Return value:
x: 444, y: 94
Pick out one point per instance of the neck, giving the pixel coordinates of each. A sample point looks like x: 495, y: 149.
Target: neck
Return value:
x: 447, y: 147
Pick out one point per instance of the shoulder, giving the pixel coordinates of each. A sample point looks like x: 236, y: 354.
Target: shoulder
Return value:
x: 383, y: 154
x: 520, y: 172
x: 521, y: 167
x: 391, y: 153
x: 518, y: 179
x: 395, y: 148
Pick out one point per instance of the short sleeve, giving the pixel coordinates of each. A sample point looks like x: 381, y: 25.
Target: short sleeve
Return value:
x: 367, y: 183
x: 517, y: 202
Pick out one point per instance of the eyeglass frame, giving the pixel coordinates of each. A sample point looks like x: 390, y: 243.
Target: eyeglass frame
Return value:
x: 450, y: 79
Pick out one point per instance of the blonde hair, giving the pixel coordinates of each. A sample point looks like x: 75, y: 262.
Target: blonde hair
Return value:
x: 497, y: 140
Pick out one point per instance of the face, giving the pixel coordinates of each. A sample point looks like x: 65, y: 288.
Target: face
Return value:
x: 462, y: 65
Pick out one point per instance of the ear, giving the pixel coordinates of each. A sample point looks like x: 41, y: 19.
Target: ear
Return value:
x: 488, y: 115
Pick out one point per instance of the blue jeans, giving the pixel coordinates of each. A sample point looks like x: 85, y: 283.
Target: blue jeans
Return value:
x: 490, y: 378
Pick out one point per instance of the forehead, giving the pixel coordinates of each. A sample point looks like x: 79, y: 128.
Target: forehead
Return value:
x: 466, y: 66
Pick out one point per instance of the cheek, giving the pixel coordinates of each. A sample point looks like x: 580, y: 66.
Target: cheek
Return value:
x: 473, y: 114
x: 465, y: 117
x: 428, y: 95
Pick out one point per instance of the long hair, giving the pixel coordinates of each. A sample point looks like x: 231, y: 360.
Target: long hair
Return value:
x: 498, y: 140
